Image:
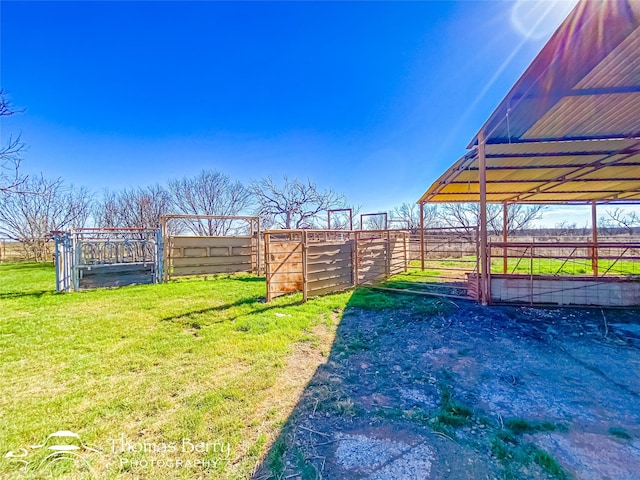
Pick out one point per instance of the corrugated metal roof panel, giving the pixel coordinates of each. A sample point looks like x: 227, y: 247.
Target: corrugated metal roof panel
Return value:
x: 530, y: 179
x: 593, y: 33
x: 562, y: 146
x: 539, y: 162
x: 590, y: 116
x: 474, y: 188
x: 619, y: 171
x: 620, y: 68
x: 597, y: 187
x: 573, y: 129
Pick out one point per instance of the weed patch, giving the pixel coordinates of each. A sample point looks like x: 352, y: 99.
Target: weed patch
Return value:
x: 451, y: 412
x: 619, y: 432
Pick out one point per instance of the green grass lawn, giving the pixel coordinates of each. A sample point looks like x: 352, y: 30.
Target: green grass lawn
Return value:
x: 199, y: 359
x: 191, y: 359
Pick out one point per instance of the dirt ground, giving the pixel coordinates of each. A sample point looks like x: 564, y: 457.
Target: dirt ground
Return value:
x: 470, y: 392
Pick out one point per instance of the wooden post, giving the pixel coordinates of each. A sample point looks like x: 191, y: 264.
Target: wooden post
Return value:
x: 422, y: 235
x: 594, y: 233
x: 504, y: 237
x: 482, y: 167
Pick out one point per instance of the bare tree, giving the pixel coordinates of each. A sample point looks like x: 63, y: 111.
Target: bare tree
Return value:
x: 375, y: 222
x: 340, y: 220
x: 565, y: 228
x: 133, y: 208
x: 209, y: 193
x: 464, y: 216
x: 49, y: 206
x: 619, y: 219
x: 409, y: 214
x: 519, y: 217
x: 10, y: 178
x: 467, y: 215
x: 294, y: 204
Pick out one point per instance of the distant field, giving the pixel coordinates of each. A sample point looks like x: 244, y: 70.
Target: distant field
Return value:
x: 11, y: 251
x: 537, y: 266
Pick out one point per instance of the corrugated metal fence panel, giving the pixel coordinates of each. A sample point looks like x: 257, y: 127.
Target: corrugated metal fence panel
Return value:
x: 318, y: 262
x: 210, y: 255
x: 372, y: 258
x: 329, y: 267
x: 399, y: 254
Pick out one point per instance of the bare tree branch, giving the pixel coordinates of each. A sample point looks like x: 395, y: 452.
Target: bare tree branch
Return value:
x: 409, y: 213
x: 467, y: 215
x: 294, y: 204
x: 133, y: 208
x: 619, y: 218
x: 30, y: 217
x: 10, y: 178
x: 209, y: 193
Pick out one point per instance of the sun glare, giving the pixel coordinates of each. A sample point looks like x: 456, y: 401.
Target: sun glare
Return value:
x: 537, y: 19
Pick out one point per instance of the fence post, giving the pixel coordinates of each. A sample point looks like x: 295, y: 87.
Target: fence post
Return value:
x: 159, y: 267
x: 594, y: 233
x: 406, y: 257
x: 422, y: 246
x: 504, y: 237
x: 389, y: 253
x: 258, y: 247
x: 304, y: 266
x: 356, y: 259
x: 76, y: 261
x: 266, y: 266
x: 56, y: 256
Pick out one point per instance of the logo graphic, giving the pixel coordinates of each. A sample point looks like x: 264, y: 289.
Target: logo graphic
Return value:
x: 59, y: 446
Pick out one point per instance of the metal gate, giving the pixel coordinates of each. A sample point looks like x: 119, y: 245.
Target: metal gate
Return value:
x: 106, y: 257
x: 444, y: 262
x: 317, y: 262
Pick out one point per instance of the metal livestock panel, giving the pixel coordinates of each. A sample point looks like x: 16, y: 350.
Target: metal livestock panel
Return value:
x: 210, y: 255
x: 283, y: 264
x: 329, y: 267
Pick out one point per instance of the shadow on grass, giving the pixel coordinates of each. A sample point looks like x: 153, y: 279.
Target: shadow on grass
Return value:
x: 26, y: 265
x: 249, y: 279
x: 256, y: 301
x: 36, y: 294
x: 332, y: 399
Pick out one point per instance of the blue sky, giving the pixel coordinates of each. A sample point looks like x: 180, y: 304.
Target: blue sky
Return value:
x: 375, y: 99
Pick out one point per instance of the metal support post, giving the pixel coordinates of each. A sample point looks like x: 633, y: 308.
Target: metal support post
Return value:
x: 482, y: 170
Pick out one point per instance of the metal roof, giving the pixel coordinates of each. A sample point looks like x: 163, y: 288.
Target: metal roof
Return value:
x: 569, y: 129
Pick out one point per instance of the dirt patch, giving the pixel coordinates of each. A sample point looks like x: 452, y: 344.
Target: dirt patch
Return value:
x: 470, y: 392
